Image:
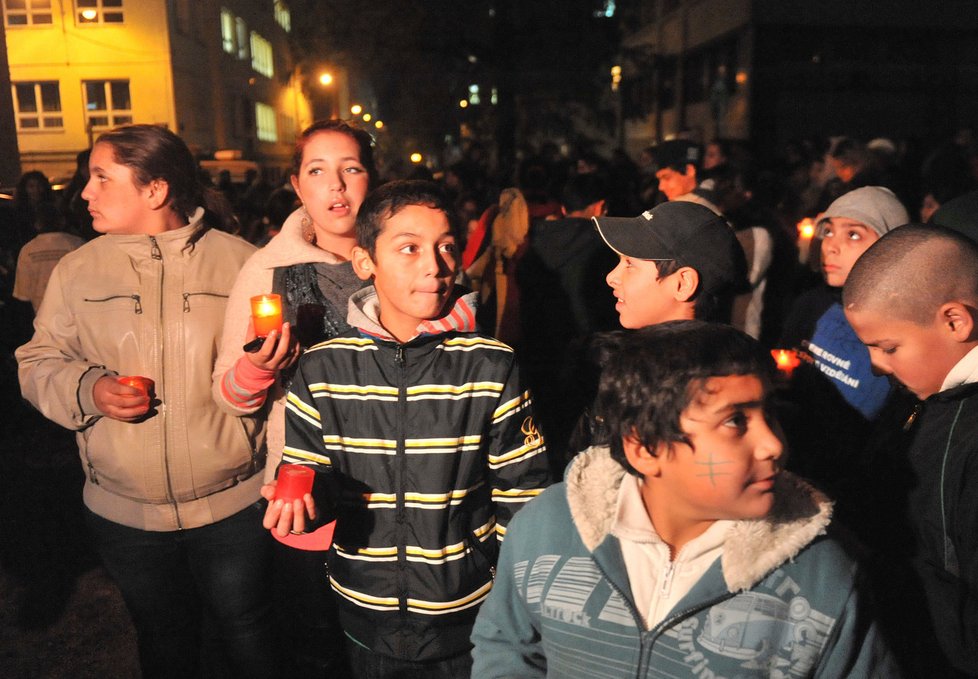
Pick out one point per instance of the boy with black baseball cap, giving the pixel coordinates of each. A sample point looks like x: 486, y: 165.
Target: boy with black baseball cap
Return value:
x: 678, y: 261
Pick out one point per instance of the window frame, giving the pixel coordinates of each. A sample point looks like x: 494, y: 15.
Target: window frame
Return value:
x: 100, y: 12
x: 283, y: 17
x: 40, y: 115
x: 262, y: 55
x: 114, y: 116
x: 266, y: 123
x: 30, y: 14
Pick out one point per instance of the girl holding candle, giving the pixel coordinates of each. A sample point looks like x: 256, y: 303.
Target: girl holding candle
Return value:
x: 307, y: 265
x: 172, y: 484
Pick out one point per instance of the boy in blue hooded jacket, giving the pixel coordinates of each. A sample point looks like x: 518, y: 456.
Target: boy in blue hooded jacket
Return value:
x: 681, y: 548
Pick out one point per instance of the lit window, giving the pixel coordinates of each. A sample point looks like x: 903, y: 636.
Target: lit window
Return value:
x: 228, y: 32
x: 265, y: 122
x: 27, y: 12
x: 241, y: 29
x: 98, y: 12
x: 261, y: 55
x: 38, y: 106
x: 282, y: 15
x: 107, y: 103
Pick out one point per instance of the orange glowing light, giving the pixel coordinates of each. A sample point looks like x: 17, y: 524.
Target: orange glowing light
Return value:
x: 806, y: 229
x: 786, y: 359
x: 266, y: 313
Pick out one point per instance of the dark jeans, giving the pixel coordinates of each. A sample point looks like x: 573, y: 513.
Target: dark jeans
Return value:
x: 369, y: 665
x: 306, y: 615
x: 171, y: 580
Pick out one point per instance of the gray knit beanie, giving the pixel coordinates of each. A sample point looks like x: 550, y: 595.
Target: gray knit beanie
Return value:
x: 875, y: 206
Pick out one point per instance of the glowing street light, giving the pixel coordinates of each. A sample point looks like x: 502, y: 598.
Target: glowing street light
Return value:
x: 379, y: 124
x: 463, y: 103
x: 356, y: 109
x: 367, y: 117
x: 326, y: 79
x: 416, y: 157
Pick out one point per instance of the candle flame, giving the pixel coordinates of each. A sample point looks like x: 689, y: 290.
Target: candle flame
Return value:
x: 806, y: 229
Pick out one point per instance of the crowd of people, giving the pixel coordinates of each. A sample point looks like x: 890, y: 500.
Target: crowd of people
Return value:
x: 595, y: 417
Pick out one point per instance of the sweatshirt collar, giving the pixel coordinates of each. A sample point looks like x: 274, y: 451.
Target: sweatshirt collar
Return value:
x: 364, y: 314
x: 752, y: 548
x: 964, y: 371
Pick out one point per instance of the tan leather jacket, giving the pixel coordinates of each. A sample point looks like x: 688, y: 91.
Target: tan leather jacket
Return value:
x: 143, y: 305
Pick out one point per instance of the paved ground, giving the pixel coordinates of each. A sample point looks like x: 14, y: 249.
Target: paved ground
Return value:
x: 60, y: 615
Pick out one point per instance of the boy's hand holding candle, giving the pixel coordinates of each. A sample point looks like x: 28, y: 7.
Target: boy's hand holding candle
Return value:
x: 289, y: 501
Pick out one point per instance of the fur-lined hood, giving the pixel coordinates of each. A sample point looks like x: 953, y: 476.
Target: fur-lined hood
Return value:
x: 753, y: 548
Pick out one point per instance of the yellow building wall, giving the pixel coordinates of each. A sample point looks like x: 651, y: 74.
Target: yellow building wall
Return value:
x: 136, y: 50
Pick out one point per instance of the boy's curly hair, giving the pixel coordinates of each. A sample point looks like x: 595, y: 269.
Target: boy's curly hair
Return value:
x: 650, y: 376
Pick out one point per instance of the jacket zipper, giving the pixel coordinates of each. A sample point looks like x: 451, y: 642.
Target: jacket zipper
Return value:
x: 188, y: 295
x: 136, y: 298
x: 656, y: 631
x: 400, y: 464
x: 157, y: 254
x: 667, y: 580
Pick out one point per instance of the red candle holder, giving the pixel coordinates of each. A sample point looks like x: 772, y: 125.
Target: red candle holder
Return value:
x: 786, y: 360
x: 266, y: 313
x: 294, y: 481
x: 144, y: 384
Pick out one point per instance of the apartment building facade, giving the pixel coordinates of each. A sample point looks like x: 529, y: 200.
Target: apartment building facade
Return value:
x: 218, y: 72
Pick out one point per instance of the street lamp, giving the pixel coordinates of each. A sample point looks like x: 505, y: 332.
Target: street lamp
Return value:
x: 416, y: 157
x: 356, y: 109
x: 325, y: 78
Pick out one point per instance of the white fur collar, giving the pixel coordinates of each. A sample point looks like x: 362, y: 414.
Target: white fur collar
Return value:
x: 753, y: 548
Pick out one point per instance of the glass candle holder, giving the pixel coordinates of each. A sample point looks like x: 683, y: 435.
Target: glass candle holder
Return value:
x: 294, y: 481
x: 266, y: 313
x: 144, y: 384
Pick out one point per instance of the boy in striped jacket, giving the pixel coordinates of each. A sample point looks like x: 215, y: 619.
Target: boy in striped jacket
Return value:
x: 423, y: 442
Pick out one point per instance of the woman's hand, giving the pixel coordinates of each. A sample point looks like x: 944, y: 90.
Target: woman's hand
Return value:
x: 287, y: 517
x: 279, y: 350
x: 119, y: 401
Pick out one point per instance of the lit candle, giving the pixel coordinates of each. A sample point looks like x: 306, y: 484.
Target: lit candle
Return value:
x: 294, y: 481
x: 143, y: 384
x: 786, y: 359
x: 266, y: 312
x: 806, y: 232
x: 806, y: 229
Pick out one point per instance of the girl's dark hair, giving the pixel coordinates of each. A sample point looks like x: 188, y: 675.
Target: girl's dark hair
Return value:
x: 389, y: 199
x: 360, y: 136
x: 20, y: 192
x: 650, y: 376
x: 154, y: 152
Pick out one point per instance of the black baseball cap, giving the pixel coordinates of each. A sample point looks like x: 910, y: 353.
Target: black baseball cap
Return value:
x: 677, y: 154
x: 691, y: 234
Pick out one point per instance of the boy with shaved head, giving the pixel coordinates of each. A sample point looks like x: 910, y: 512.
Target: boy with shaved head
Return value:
x: 912, y: 298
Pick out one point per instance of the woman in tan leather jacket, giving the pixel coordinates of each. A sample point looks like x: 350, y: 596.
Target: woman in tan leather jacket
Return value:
x: 172, y: 482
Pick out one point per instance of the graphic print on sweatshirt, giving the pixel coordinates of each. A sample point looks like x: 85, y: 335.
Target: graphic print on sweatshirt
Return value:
x: 844, y: 360
x: 771, y: 630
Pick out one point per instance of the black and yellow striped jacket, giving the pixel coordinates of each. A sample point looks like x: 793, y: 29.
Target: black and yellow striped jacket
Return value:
x: 425, y: 450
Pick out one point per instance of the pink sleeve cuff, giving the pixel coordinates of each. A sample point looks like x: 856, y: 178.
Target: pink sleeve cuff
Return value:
x: 245, y: 385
